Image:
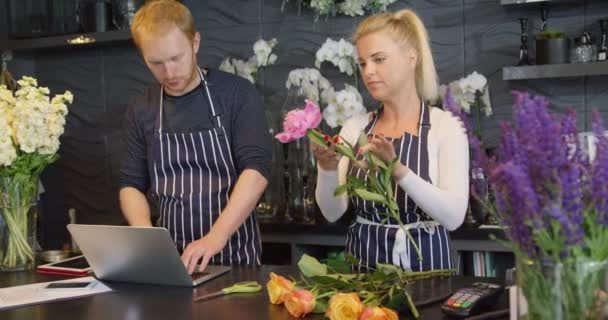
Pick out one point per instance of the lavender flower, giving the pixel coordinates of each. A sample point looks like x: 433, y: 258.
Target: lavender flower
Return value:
x: 539, y: 137
x: 571, y: 210
x: 599, y: 177
x: 519, y: 202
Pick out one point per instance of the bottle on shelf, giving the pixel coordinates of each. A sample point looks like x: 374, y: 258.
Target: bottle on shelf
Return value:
x: 603, y: 50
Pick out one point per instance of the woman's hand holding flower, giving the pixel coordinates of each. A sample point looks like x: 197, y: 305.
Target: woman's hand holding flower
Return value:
x: 383, y: 149
x: 326, y: 157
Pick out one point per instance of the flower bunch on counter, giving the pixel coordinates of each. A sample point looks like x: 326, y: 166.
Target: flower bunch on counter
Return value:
x: 262, y: 57
x: 340, y: 295
x: 553, y: 199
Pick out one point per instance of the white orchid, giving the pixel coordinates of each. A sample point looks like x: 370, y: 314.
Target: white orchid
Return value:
x: 346, y: 103
x: 263, y: 52
x: 262, y: 57
x: 465, y: 91
x: 347, y: 7
x: 322, y: 7
x: 353, y: 7
x: 341, y: 54
x: 313, y: 85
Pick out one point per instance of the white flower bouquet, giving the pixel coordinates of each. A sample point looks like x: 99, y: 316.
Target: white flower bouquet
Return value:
x: 30, y: 126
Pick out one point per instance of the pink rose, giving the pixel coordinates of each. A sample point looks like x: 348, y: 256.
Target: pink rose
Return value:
x: 298, y: 121
x: 300, y: 302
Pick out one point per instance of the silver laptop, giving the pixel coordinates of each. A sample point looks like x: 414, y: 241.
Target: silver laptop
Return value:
x: 136, y: 254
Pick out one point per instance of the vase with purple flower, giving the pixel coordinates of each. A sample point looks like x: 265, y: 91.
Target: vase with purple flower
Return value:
x: 553, y: 199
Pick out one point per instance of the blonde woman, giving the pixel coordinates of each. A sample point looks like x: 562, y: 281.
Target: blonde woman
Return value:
x: 431, y: 179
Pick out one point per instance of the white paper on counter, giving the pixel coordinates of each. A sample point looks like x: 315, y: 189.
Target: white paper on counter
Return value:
x: 35, y: 293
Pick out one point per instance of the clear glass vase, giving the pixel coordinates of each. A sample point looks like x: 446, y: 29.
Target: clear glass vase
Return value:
x: 271, y: 206
x: 300, y: 168
x: 18, y: 231
x: 563, y: 291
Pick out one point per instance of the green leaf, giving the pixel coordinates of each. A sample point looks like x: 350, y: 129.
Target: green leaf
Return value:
x: 388, y: 268
x: 355, y: 183
x: 340, y: 190
x: 311, y: 267
x: 321, y: 306
x: 339, y: 266
x: 370, y: 196
x: 316, y: 137
x: 331, y: 282
x: 346, y: 151
x: 377, y: 161
x: 362, y: 139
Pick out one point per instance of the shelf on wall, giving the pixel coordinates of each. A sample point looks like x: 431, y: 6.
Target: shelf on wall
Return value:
x: 509, y: 2
x: 68, y: 40
x: 555, y: 71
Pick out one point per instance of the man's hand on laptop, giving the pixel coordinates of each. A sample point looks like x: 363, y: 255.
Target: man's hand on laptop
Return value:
x: 205, y: 248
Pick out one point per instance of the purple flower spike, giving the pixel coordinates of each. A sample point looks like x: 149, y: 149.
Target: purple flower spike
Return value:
x: 520, y: 203
x: 572, y: 204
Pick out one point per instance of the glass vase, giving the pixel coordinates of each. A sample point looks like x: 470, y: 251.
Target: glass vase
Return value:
x: 18, y: 196
x: 299, y: 173
x: 562, y: 291
x: 272, y: 203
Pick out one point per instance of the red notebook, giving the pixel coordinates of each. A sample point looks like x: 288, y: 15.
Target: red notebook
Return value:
x: 75, y: 267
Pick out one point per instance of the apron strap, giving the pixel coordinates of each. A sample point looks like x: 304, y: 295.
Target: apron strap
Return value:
x: 216, y: 115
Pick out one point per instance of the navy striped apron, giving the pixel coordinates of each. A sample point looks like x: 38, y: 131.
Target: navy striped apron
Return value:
x: 373, y: 241
x: 193, y: 175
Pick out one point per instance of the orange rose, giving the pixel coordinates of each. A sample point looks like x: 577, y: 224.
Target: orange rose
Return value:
x: 278, y: 287
x: 300, y: 302
x: 344, y: 306
x: 378, y: 313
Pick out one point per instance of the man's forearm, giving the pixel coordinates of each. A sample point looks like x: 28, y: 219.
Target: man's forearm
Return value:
x: 249, y: 187
x: 135, y: 208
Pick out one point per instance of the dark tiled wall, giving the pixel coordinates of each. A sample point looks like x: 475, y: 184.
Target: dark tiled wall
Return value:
x: 467, y: 35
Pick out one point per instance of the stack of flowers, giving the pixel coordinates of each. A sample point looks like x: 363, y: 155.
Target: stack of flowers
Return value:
x: 343, y: 295
x: 262, y: 57
x: 554, y: 201
x: 30, y: 126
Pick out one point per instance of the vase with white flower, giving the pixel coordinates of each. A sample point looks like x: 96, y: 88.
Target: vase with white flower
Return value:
x: 553, y: 200
x: 30, y: 126
x: 470, y: 97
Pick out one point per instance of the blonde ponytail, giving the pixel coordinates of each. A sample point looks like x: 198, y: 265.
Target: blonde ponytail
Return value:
x: 406, y: 27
